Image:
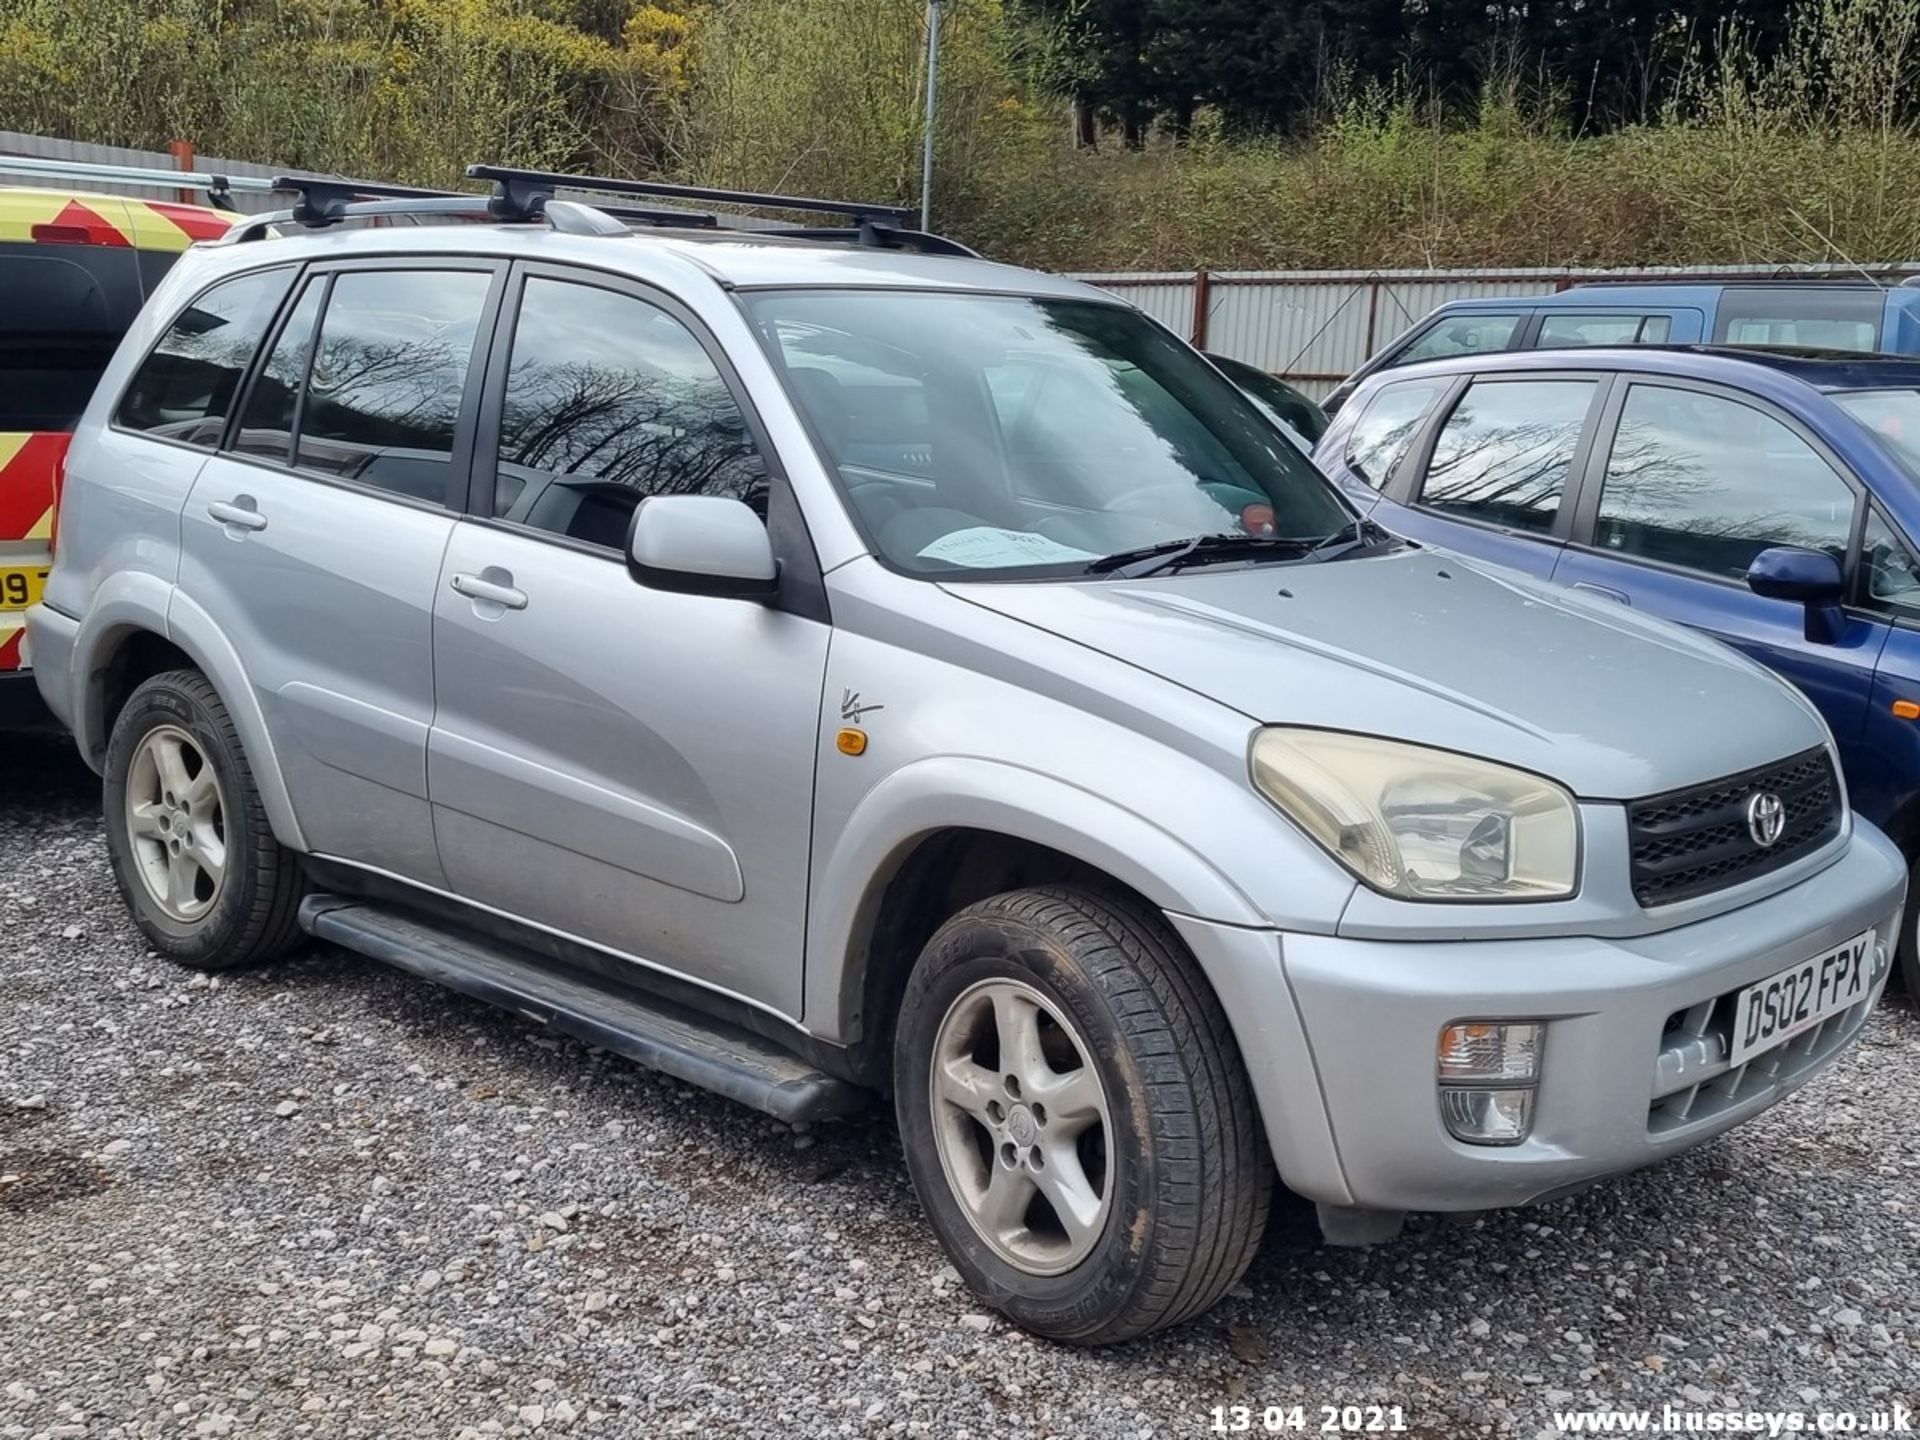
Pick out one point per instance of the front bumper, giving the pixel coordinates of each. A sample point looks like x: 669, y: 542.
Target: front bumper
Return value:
x: 1355, y: 1119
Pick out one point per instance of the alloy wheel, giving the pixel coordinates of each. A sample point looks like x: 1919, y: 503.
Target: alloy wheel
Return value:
x: 176, y: 817
x: 1020, y: 1120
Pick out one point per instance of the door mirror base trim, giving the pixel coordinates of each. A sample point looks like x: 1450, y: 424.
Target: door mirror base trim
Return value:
x: 724, y: 587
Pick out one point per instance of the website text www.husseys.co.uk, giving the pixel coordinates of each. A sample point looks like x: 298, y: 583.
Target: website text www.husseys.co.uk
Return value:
x: 1671, y: 1420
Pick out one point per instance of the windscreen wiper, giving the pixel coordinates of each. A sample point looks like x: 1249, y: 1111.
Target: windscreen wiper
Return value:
x: 1146, y: 560
x: 1362, y: 534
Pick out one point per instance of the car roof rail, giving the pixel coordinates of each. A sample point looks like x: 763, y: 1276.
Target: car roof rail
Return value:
x: 219, y: 189
x: 529, y: 195
x: 884, y: 226
x: 328, y: 200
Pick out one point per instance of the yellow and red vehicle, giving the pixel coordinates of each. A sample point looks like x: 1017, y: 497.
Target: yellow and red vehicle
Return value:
x: 75, y: 268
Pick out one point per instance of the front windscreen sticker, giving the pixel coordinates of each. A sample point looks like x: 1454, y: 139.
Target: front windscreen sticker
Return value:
x: 987, y: 547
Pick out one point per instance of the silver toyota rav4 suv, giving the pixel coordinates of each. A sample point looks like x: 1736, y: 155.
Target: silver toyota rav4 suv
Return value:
x: 825, y: 664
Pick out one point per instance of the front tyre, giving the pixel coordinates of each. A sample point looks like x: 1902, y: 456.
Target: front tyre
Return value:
x: 1076, y: 1117
x: 192, y: 852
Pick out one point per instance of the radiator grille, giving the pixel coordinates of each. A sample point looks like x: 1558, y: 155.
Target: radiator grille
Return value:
x: 1695, y: 841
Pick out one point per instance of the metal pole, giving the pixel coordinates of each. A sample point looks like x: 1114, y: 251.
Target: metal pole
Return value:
x: 933, y: 87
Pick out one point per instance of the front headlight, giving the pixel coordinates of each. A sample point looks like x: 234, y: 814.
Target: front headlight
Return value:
x: 1423, y: 824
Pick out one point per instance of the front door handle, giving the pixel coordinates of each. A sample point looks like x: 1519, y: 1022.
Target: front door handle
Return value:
x: 240, y: 513
x: 493, y: 587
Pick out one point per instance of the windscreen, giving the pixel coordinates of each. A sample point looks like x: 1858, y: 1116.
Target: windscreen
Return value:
x: 1011, y: 436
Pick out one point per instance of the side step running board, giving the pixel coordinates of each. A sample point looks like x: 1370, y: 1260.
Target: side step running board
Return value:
x: 673, y: 1039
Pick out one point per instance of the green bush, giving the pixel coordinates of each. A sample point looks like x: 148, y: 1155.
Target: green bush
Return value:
x: 1810, y: 156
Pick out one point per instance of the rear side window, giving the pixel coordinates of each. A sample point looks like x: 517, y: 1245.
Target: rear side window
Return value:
x: 185, y: 387
x: 1561, y: 332
x: 610, y: 399
x: 1470, y: 334
x: 1807, y: 316
x: 1503, y: 455
x: 1384, y: 433
x: 387, y: 376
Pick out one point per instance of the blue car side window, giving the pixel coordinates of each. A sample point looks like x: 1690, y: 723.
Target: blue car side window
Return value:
x: 1503, y: 455
x: 1707, y: 483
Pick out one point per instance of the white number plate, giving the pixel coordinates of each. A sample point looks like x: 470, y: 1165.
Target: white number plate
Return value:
x: 1800, y: 997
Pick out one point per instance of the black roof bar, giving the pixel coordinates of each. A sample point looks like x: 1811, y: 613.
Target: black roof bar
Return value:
x: 525, y: 181
x: 527, y: 195
x: 324, y: 198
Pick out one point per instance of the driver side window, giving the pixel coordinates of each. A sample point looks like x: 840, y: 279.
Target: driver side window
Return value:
x: 609, y: 400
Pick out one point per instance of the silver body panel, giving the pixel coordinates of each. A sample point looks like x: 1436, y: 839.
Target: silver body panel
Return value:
x: 656, y: 774
x: 338, y: 640
x: 631, y: 766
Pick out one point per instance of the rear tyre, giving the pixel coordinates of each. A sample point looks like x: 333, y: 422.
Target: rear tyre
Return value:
x: 1076, y: 1117
x: 192, y: 852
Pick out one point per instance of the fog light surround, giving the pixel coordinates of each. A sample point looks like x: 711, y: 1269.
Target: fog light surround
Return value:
x: 1487, y: 1071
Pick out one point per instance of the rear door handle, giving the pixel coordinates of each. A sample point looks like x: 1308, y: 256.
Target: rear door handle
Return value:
x: 478, y: 587
x: 240, y: 513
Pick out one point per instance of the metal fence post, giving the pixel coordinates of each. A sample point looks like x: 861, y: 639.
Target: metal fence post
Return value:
x: 182, y: 153
x: 1202, y: 306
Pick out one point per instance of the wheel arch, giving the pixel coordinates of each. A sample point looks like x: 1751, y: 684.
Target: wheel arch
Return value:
x: 118, y: 652
x: 937, y: 836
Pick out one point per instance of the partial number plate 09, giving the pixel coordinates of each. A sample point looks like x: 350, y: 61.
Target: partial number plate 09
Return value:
x: 1800, y: 997
x: 20, y: 585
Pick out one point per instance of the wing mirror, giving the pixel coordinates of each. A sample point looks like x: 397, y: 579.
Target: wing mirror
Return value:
x: 1811, y: 577
x: 702, y: 545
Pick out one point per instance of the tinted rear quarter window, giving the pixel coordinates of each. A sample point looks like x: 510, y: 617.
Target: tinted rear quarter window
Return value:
x: 1385, y: 431
x: 185, y: 387
x: 1503, y: 456
x: 1818, y: 317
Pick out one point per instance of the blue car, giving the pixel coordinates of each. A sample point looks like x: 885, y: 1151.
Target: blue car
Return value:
x: 1770, y: 499
x: 1806, y: 314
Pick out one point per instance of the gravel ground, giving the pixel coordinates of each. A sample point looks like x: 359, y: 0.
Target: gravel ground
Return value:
x: 327, y: 1199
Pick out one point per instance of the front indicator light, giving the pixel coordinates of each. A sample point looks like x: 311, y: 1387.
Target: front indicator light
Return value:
x: 1487, y: 1117
x: 1490, y: 1052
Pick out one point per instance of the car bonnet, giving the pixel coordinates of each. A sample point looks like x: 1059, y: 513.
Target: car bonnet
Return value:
x: 1433, y: 648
